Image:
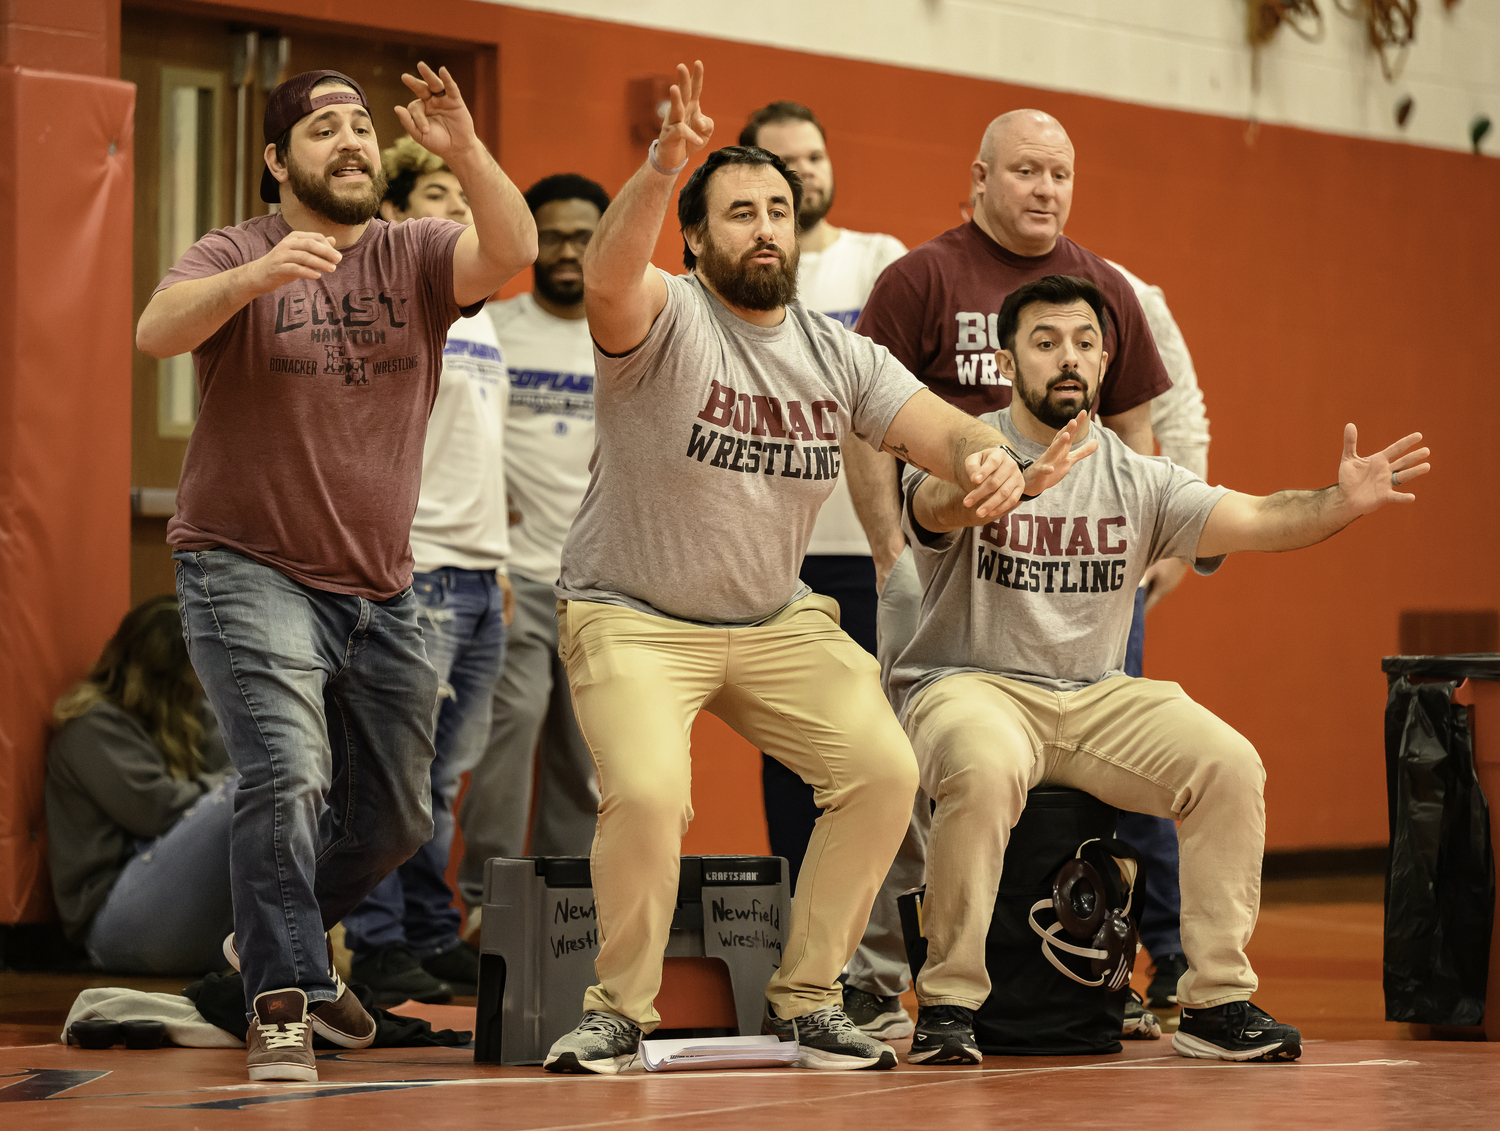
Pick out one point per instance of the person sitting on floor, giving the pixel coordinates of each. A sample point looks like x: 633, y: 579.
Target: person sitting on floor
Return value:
x: 139, y: 792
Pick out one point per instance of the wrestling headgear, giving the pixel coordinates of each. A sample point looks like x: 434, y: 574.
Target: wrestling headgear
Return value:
x: 1091, y: 898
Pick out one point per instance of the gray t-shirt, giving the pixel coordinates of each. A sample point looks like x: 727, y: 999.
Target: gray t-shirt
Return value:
x: 716, y: 442
x: 1045, y: 593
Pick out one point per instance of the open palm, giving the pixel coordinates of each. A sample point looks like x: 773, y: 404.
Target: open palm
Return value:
x: 1059, y: 458
x: 1369, y: 482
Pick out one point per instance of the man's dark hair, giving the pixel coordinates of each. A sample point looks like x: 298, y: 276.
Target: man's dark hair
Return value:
x: 692, y: 201
x: 1058, y: 290
x: 778, y: 112
x: 284, y: 142
x: 566, y: 186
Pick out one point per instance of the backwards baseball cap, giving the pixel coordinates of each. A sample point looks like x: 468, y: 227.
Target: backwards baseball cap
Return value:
x: 290, y: 103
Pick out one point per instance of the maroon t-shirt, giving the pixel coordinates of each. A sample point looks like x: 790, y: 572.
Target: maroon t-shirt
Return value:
x: 313, y: 406
x: 935, y: 309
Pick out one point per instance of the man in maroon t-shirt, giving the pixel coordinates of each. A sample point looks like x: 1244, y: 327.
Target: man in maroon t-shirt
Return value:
x: 935, y: 309
x: 317, y: 336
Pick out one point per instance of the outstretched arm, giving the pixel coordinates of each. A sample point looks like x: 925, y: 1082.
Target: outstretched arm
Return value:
x: 622, y: 292
x: 948, y: 443
x: 502, y: 239
x: 1290, y: 520
x: 940, y: 507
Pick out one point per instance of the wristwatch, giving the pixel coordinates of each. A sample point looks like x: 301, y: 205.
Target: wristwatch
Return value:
x: 1023, y: 464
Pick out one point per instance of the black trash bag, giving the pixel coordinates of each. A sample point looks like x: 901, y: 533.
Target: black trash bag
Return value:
x: 1440, y: 882
x: 220, y: 998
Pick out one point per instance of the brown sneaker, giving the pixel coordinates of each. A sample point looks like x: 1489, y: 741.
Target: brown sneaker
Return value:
x: 344, y: 1022
x: 279, y: 1043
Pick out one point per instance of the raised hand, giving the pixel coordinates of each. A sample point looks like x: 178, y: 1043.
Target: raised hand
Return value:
x: 437, y: 118
x: 1059, y: 457
x: 998, y: 479
x: 299, y: 255
x: 1369, y: 482
x: 686, y: 129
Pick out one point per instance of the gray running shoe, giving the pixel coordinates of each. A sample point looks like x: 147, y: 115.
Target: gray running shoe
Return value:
x: 827, y: 1040
x: 603, y: 1043
x: 1140, y: 1023
x: 945, y: 1035
x: 883, y: 1018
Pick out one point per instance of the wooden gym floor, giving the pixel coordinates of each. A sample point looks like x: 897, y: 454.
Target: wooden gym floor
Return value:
x: 1317, y: 949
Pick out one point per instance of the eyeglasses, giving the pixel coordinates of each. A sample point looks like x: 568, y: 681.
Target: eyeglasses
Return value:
x: 555, y: 241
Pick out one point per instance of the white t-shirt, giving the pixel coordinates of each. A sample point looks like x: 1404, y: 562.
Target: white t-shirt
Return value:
x: 549, y: 434
x: 836, y: 282
x: 460, y: 519
x: 1178, y: 416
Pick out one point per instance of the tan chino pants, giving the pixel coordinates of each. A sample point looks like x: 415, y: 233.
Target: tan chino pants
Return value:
x: 798, y: 688
x: 983, y: 741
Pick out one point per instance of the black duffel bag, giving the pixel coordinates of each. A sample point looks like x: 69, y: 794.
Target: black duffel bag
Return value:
x: 1033, y: 1009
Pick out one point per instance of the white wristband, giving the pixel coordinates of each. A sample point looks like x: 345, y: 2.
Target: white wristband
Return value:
x: 658, y: 166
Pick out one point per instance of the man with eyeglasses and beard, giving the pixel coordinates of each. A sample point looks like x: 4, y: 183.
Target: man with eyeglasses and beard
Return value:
x: 317, y: 335
x: 549, y: 438
x: 722, y: 406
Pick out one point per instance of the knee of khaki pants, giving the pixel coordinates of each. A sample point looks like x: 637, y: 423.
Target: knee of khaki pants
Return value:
x: 1230, y: 770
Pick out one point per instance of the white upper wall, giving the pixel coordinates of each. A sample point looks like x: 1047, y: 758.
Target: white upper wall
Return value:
x: 1183, y: 54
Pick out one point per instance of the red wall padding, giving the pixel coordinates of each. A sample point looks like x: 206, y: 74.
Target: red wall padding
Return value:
x: 66, y: 179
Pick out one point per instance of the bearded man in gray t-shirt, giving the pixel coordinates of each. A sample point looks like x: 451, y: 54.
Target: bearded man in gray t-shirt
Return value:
x: 1014, y: 677
x: 722, y: 405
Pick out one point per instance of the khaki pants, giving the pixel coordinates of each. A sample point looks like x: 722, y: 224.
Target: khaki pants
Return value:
x: 982, y: 742
x: 799, y: 689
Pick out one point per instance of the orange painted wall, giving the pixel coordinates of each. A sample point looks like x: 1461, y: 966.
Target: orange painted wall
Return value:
x: 1318, y: 279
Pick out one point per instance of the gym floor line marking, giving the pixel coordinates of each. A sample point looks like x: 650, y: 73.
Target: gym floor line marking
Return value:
x: 724, y: 1112
x: 260, y: 1094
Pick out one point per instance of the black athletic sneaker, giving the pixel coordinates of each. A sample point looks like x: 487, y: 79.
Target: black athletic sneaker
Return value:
x: 1236, y: 1030
x: 883, y: 1018
x: 1162, y: 992
x: 395, y: 975
x: 458, y: 966
x: 1140, y: 1023
x: 945, y: 1035
x: 827, y: 1040
x: 602, y: 1043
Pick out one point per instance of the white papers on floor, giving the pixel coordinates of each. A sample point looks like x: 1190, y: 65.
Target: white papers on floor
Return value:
x: 718, y: 1052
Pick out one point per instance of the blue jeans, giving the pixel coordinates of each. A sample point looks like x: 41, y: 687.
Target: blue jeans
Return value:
x: 460, y: 614
x: 1159, y: 902
x: 169, y: 909
x: 325, y: 702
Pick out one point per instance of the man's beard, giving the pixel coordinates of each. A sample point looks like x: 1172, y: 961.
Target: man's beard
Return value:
x: 812, y: 214
x: 1040, y: 404
x: 316, y: 191
x: 750, y: 286
x: 567, y: 293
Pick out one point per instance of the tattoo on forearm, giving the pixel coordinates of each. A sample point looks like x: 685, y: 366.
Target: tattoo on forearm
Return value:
x: 901, y: 452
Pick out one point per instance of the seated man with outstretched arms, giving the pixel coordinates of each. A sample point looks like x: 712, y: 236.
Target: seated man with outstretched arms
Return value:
x: 1014, y: 680
x: 721, y: 406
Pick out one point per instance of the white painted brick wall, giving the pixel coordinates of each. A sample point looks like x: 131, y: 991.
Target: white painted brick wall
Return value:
x: 1185, y: 54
